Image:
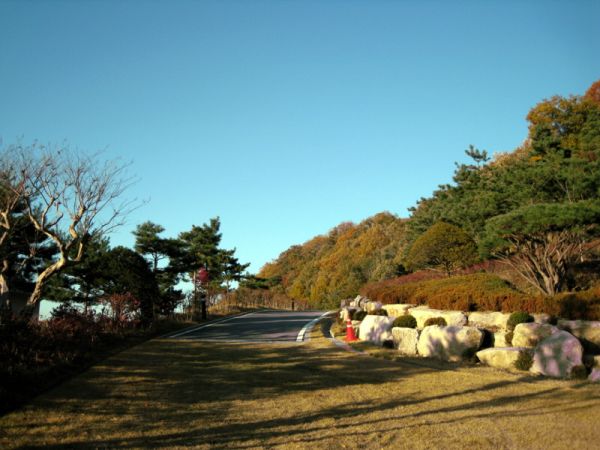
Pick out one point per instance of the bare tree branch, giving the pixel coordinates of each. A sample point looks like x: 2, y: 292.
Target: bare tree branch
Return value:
x: 69, y: 197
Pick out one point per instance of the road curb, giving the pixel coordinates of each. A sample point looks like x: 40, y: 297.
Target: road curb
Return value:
x: 306, y: 329
x: 343, y: 345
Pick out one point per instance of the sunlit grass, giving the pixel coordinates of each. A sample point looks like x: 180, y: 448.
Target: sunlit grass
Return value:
x: 168, y: 393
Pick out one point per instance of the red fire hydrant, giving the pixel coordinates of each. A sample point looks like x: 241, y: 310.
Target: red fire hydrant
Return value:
x: 350, y: 336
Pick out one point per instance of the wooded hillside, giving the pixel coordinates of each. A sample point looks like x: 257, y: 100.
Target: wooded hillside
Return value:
x: 336, y: 265
x: 535, y: 208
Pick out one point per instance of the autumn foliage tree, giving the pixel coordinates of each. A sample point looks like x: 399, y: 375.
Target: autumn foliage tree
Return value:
x: 444, y: 247
x: 330, y: 267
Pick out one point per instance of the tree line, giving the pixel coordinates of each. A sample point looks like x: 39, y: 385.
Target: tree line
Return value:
x: 57, y: 207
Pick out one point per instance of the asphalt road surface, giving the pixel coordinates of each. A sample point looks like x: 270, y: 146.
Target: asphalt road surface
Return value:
x: 260, y: 326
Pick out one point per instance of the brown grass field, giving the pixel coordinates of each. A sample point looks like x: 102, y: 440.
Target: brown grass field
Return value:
x: 178, y: 394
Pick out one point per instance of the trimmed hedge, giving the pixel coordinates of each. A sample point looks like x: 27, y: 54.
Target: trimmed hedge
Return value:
x: 440, y: 321
x: 524, y: 361
x: 483, y: 292
x: 518, y: 317
x: 407, y: 321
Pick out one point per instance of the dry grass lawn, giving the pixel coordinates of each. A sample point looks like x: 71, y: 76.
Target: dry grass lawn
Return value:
x: 169, y: 393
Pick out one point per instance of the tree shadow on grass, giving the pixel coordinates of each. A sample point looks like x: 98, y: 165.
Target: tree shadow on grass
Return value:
x: 174, y: 393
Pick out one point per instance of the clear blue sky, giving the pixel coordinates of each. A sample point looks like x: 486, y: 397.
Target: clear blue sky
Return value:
x: 285, y: 118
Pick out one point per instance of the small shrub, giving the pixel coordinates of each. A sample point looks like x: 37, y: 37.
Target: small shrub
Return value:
x: 436, y: 321
x: 579, y: 372
x: 405, y: 322
x: 379, y: 312
x: 518, y: 317
x: 360, y: 315
x: 524, y: 361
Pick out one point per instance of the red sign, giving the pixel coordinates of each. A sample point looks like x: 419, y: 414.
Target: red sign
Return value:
x: 203, y: 275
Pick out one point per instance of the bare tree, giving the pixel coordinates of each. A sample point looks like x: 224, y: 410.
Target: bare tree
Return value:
x: 69, y: 197
x: 12, y: 190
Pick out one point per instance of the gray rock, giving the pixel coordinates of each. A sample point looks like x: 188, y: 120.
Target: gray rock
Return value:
x: 530, y: 334
x: 500, y: 340
x: 345, y: 313
x: 588, y: 332
x: 405, y: 340
x: 422, y: 313
x: 371, y: 307
x: 502, y: 358
x: 450, y: 343
x: 356, y: 302
x: 376, y: 329
x: 489, y: 320
x: 397, y: 310
x: 556, y: 355
x: 542, y: 318
x: 363, y: 302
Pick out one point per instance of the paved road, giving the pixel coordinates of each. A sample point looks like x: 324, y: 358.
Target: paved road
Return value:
x: 261, y: 326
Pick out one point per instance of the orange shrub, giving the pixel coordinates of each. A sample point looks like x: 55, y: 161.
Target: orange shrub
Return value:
x: 398, y: 290
x: 483, y: 292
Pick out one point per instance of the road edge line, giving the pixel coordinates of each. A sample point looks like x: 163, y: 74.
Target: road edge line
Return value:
x: 204, y: 325
x: 306, y: 328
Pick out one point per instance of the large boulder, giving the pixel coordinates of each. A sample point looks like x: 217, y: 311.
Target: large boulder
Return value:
x: 556, y: 355
x: 588, y: 332
x: 405, y: 340
x: 356, y: 302
x: 397, y: 310
x: 346, y: 312
x: 530, y: 334
x: 489, y: 320
x: 450, y: 343
x: 502, y: 358
x: 500, y: 340
x: 372, y: 307
x: 376, y: 329
x: 452, y: 318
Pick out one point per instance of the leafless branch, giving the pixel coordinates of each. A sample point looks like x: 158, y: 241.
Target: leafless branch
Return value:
x: 69, y: 197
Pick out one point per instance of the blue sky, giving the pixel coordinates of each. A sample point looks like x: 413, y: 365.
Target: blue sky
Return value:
x: 285, y: 118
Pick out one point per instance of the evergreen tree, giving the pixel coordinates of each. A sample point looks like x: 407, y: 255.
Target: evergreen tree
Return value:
x: 443, y: 247
x: 157, y: 249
